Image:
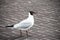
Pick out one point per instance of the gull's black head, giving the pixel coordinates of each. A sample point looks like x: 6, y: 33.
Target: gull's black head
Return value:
x: 31, y: 12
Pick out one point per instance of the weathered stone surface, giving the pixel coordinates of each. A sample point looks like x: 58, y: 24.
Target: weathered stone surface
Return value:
x: 47, y: 19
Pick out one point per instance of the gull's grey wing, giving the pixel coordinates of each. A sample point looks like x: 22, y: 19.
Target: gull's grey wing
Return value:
x: 25, y: 25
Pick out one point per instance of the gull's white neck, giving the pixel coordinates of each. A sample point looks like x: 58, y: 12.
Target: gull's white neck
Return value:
x: 30, y: 17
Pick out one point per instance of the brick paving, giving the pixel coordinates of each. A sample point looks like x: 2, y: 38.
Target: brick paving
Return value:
x: 47, y: 19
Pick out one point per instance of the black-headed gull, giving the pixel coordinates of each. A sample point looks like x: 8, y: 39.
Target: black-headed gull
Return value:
x: 25, y: 24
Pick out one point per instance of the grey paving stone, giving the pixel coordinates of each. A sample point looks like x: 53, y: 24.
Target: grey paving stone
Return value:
x: 47, y: 19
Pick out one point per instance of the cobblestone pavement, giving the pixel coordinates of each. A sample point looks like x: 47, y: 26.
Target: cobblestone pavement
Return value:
x: 47, y: 19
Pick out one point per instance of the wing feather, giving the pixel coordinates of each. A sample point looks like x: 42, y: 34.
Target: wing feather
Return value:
x: 25, y: 25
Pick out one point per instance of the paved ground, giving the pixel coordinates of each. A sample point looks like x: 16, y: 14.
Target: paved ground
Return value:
x: 47, y: 19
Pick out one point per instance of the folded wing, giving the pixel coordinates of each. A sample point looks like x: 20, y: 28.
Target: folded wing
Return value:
x: 25, y: 25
